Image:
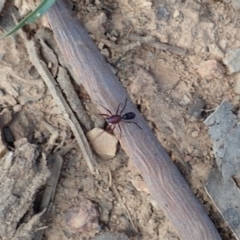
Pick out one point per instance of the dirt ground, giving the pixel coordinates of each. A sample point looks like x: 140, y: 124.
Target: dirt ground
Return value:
x: 170, y: 90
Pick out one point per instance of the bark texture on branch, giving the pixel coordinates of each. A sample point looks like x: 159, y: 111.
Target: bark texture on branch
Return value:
x: 163, y: 179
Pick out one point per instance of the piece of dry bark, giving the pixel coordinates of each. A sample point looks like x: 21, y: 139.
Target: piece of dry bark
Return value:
x: 64, y: 80
x: 22, y: 173
x: 163, y: 179
x: 76, y: 105
x: 50, y: 190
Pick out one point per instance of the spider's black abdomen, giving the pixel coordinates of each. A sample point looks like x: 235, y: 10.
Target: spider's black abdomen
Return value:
x: 128, y: 116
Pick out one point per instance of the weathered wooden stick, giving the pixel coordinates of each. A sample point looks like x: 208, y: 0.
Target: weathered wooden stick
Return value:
x: 163, y: 179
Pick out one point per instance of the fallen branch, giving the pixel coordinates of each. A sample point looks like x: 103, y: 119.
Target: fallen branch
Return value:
x: 158, y: 45
x: 162, y: 177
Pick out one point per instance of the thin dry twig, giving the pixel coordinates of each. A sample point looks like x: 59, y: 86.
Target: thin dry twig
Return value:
x: 125, y: 207
x: 74, y: 102
x: 158, y: 45
x: 62, y: 104
x: 110, y: 178
x: 67, y: 148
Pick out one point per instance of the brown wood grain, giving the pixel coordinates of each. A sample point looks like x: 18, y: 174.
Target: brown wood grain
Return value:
x: 162, y: 177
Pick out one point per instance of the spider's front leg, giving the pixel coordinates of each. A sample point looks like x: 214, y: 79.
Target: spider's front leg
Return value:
x: 110, y: 128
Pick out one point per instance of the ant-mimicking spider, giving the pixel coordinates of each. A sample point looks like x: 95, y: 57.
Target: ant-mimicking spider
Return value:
x: 117, y: 118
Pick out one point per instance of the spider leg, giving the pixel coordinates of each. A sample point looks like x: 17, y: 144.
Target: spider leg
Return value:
x: 131, y: 122
x: 106, y: 109
x: 110, y: 128
x: 105, y: 115
x: 97, y: 136
x: 120, y: 130
x: 118, y: 108
x: 124, y: 106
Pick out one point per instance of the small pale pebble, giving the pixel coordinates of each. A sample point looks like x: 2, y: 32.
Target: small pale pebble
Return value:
x: 176, y: 13
x: 105, y: 52
x: 210, y: 69
x: 100, y: 45
x: 185, y: 100
x: 216, y: 51
x: 83, y: 218
x: 102, y: 142
x: 119, y: 188
x: 223, y: 44
x: 153, y: 202
x: 195, y: 134
x: 96, y: 24
x: 114, y: 33
x: 188, y: 158
x: 17, y: 108
x: 139, y: 184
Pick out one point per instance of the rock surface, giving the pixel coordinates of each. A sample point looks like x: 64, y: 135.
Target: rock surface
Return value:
x: 103, y: 142
x: 232, y: 59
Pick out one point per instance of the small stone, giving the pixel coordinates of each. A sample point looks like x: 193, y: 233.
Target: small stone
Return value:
x: 194, y: 134
x: 17, y: 108
x: 223, y: 44
x: 153, y: 202
x: 139, y: 184
x: 22, y: 126
x: 114, y: 33
x: 105, y: 52
x: 103, y: 142
x: 196, y: 108
x: 216, y: 51
x: 8, y: 100
x: 232, y: 59
x: 96, y: 24
x: 100, y: 46
x: 33, y: 72
x: 237, y: 84
x: 210, y: 69
x: 188, y: 158
x: 120, y: 188
x: 162, y: 13
x: 176, y: 14
x: 83, y: 218
x: 185, y: 100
